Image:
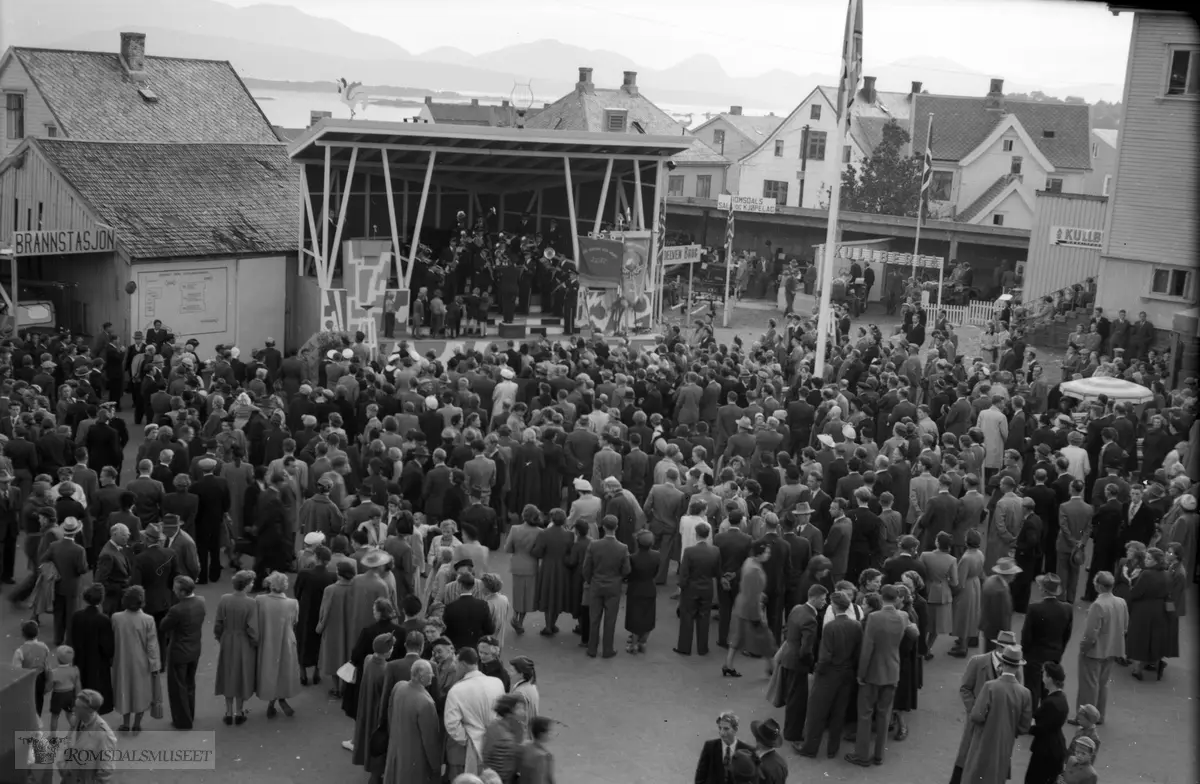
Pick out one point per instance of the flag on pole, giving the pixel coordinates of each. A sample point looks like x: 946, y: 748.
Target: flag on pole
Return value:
x: 852, y: 52
x: 927, y: 171
x: 662, y: 230
x: 729, y: 229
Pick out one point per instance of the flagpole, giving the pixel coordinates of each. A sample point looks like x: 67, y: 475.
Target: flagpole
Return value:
x: 728, y: 262
x: 924, y: 191
x: 851, y: 67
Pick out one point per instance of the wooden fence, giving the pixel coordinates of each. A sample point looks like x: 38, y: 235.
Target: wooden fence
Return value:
x: 977, y: 313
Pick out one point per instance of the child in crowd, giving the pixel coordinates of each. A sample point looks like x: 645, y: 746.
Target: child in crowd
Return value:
x: 454, y: 317
x: 65, y: 684
x: 437, y: 315
x: 33, y: 654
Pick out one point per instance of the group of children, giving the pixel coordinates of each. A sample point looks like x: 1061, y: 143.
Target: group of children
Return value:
x: 58, y: 668
x: 444, y: 320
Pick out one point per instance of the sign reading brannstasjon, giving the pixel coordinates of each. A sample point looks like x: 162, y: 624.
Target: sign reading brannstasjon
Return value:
x: 745, y: 204
x: 51, y: 243
x: 1071, y: 237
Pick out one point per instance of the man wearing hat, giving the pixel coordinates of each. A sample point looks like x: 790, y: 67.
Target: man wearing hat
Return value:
x: 1003, y: 711
x: 70, y: 561
x: 981, y: 669
x: 772, y: 767
x: 995, y: 600
x: 1045, y: 633
x: 182, y: 545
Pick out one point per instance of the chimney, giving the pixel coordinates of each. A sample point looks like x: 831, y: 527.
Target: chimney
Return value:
x: 630, y: 85
x: 133, y: 54
x: 504, y: 104
x: 474, y: 101
x: 916, y: 88
x: 315, y: 116
x: 867, y: 93
x: 429, y: 100
x: 995, y: 96
x: 735, y: 110
x: 584, y: 85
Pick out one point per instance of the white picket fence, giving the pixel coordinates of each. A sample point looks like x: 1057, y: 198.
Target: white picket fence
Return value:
x: 977, y: 313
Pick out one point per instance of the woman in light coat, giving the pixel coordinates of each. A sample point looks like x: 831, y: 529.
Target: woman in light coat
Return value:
x: 942, y: 581
x: 278, y: 665
x: 136, y: 659
x: 236, y: 630
x: 334, y: 625
x: 966, y: 603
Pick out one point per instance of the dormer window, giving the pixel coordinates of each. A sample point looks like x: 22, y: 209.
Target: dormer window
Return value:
x: 615, y: 120
x: 1047, y: 134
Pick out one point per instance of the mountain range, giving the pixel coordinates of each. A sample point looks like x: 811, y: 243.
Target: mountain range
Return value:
x: 281, y: 43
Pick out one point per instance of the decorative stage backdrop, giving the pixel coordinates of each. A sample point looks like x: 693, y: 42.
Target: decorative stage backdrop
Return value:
x: 365, y: 303
x: 615, y: 284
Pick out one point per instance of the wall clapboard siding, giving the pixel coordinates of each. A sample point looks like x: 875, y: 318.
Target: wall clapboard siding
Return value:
x: 1052, y: 267
x: 37, y: 112
x: 34, y: 183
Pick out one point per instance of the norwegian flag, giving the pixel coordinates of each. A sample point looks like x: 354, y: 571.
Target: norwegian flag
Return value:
x: 852, y: 54
x: 729, y: 229
x: 927, y: 171
x: 662, y: 231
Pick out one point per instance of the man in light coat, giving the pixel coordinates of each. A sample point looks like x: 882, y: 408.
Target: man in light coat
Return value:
x: 1074, y: 525
x: 1002, y: 712
x: 1102, y: 643
x: 994, y: 425
x: 981, y: 668
x: 1007, y: 519
x: 470, y: 708
x: 663, y: 508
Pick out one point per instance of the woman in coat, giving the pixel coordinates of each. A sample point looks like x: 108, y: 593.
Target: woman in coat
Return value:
x: 236, y: 630
x: 966, y: 603
x: 554, y: 459
x: 310, y: 595
x: 383, y: 613
x: 577, y: 603
x: 551, y: 548
x: 1145, y: 640
x: 641, y: 593
x: 372, y: 704
x: 334, y: 625
x: 524, y: 565
x: 278, y: 667
x: 239, y: 475
x: 136, y: 659
x: 1048, y: 751
x: 1177, y: 588
x: 91, y: 635
x: 912, y: 666
x: 942, y: 570
x: 527, y: 468
x: 749, y: 630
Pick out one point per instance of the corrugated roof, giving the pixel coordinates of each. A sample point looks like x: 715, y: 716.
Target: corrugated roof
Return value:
x: 182, y: 200
x: 960, y: 124
x: 977, y: 206
x: 578, y: 111
x: 1107, y: 135
x: 93, y: 98
x: 700, y: 152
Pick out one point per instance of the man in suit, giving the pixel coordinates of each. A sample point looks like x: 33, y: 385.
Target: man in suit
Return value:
x: 10, y: 524
x: 850, y: 482
x: 941, y: 513
x: 399, y: 670
x: 1140, y: 519
x: 181, y: 627
x: 468, y: 617
x: 699, y: 569
x: 663, y: 507
x: 800, y: 551
x: 103, y: 443
x: 70, y: 561
x: 778, y: 569
x: 960, y: 414
x: 734, y: 545
x: 833, y: 678
x: 981, y: 668
x: 905, y: 560
x: 801, y: 635
x: 148, y: 492
x: 1106, y: 528
x: 605, y: 567
x: 1074, y: 526
x: 1045, y: 633
x: 878, y: 675
x: 1045, y: 506
x: 113, y: 567
x: 772, y: 767
x: 837, y: 543
x: 716, y: 756
x: 1101, y: 644
x: 155, y: 569
x: 866, y: 536
x: 182, y: 545
x: 212, y: 494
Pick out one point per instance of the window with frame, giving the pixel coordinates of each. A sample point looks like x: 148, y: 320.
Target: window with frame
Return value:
x: 846, y: 153
x: 704, y: 186
x: 1054, y: 184
x: 14, y: 115
x: 816, y: 145
x: 1095, y: 149
x: 941, y: 185
x: 815, y: 112
x: 998, y: 219
x: 719, y: 139
x: 779, y: 148
x: 1015, y: 168
x: 1007, y: 145
x: 675, y: 185
x: 1183, y: 71
x: 51, y: 131
x: 1172, y: 282
x: 777, y: 190
x: 1107, y: 184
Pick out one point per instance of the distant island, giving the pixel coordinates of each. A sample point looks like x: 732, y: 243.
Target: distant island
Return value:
x: 401, y: 96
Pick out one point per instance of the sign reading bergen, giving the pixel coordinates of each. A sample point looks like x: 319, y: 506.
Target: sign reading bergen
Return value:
x: 1070, y: 237
x: 745, y: 204
x: 38, y: 243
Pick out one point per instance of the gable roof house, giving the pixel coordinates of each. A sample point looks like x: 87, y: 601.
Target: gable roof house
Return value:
x: 991, y: 155
x: 696, y: 172
x: 794, y: 166
x: 1104, y: 162
x: 733, y: 134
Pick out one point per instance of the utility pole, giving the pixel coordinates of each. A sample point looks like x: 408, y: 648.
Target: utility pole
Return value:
x: 803, y: 162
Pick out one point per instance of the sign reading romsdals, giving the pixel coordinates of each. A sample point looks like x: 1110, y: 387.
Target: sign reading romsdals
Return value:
x: 746, y: 204
x: 1070, y: 237
x: 38, y: 243
x: 681, y: 254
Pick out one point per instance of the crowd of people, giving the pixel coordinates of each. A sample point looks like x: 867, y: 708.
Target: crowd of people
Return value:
x: 836, y: 525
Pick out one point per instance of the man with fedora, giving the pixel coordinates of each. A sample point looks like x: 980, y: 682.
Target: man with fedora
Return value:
x: 70, y: 560
x: 995, y: 601
x: 182, y: 545
x: 981, y: 669
x: 740, y: 444
x: 718, y: 757
x: 772, y: 768
x: 1001, y: 713
x: 1045, y: 633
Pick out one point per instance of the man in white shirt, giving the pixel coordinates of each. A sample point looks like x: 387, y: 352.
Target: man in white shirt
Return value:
x: 1078, y: 464
x: 470, y: 708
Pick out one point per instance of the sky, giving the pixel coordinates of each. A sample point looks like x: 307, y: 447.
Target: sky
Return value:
x: 1083, y: 41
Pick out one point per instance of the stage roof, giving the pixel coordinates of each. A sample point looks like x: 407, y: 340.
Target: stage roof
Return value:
x: 489, y: 160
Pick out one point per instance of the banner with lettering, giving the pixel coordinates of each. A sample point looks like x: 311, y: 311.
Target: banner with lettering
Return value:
x: 600, y: 263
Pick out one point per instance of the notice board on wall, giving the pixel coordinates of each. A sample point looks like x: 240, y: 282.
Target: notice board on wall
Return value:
x: 188, y: 302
